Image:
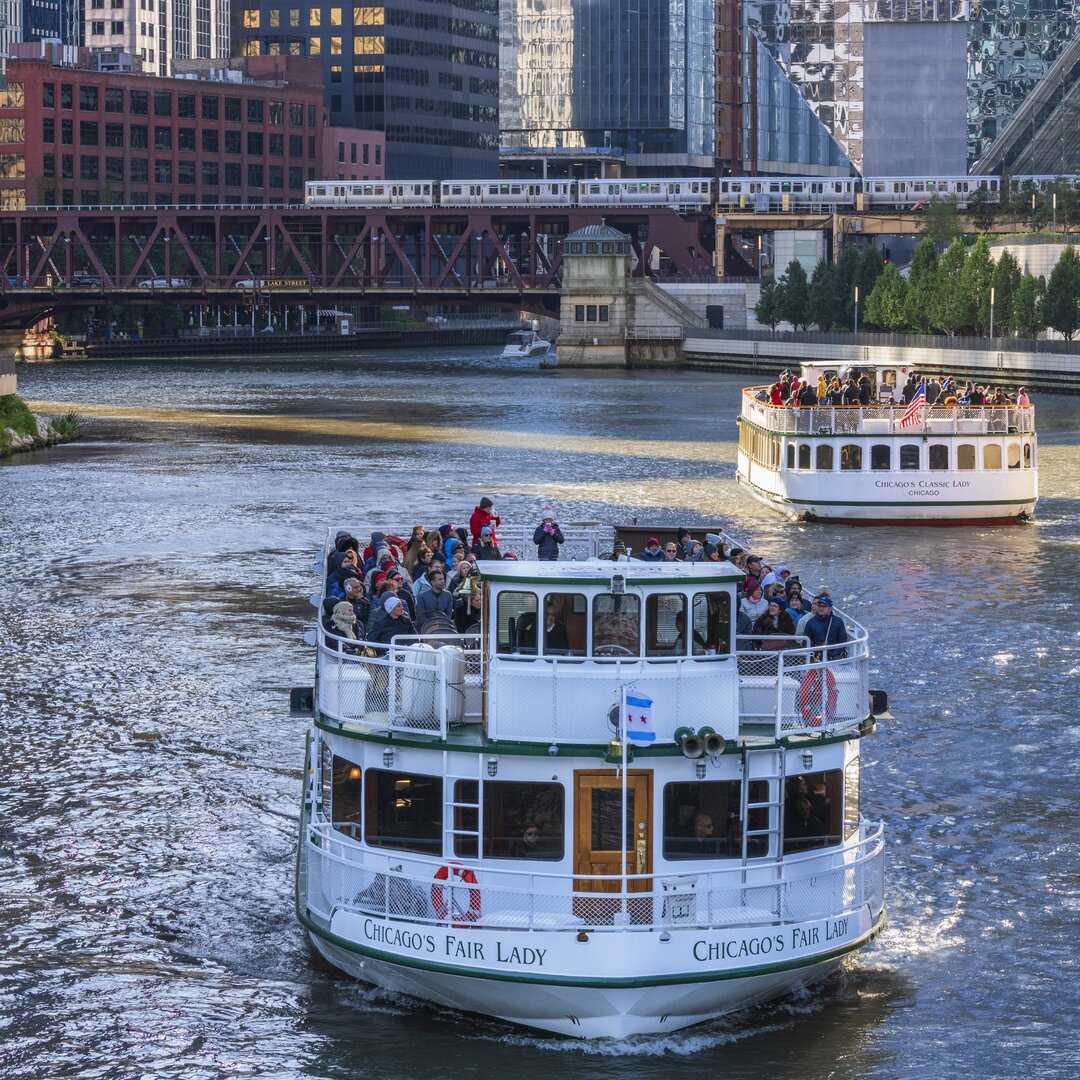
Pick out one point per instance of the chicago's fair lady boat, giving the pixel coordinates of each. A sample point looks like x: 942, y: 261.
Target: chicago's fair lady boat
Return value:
x: 940, y: 464
x: 600, y: 814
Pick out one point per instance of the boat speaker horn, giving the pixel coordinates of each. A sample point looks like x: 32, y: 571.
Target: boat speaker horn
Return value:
x: 879, y: 703
x: 712, y: 742
x: 690, y: 743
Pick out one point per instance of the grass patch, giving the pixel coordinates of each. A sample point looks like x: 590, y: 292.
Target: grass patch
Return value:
x: 15, y: 415
x: 66, y: 426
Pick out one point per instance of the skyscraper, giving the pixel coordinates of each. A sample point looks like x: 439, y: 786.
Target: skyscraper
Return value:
x: 425, y: 72
x: 633, y: 74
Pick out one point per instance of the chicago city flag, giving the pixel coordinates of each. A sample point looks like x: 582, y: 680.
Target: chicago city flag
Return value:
x: 637, y: 718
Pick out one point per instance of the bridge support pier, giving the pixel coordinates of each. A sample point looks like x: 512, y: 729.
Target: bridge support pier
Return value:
x: 10, y: 342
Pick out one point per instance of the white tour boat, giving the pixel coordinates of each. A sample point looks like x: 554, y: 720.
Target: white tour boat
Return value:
x: 477, y: 832
x: 949, y: 464
x: 522, y: 343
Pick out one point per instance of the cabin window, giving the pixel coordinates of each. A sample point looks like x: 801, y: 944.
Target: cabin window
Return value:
x: 616, y: 620
x: 991, y: 456
x: 404, y: 811
x: 824, y: 458
x: 939, y: 456
x: 565, y: 622
x: 1027, y: 455
x: 851, y: 798
x: 665, y: 624
x: 813, y: 804
x: 965, y: 456
x: 701, y: 821
x: 1013, y: 451
x: 851, y: 457
x: 909, y: 456
x: 516, y: 623
x: 791, y: 455
x: 346, y: 787
x: 804, y: 455
x: 880, y: 457
x: 522, y: 820
x: 712, y: 624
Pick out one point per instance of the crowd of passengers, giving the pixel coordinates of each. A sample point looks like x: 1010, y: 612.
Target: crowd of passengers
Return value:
x: 390, y: 586
x: 860, y: 388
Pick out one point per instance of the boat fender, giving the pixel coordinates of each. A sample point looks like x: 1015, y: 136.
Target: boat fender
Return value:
x: 449, y: 906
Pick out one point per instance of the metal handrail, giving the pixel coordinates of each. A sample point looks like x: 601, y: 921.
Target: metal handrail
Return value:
x: 776, y: 878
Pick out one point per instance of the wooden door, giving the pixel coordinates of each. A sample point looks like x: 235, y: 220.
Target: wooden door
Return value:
x: 598, y: 841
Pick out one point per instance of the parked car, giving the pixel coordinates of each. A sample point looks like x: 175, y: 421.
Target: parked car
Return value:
x: 164, y: 283
x: 84, y: 279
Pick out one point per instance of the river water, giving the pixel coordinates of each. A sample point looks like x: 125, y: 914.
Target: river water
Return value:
x: 154, y: 577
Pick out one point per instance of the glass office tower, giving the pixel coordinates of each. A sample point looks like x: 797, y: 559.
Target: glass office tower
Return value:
x: 637, y: 75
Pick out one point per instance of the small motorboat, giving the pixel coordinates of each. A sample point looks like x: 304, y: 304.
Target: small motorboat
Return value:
x: 525, y: 343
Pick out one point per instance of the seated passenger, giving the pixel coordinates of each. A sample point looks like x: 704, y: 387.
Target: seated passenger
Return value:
x: 354, y: 594
x: 652, y: 552
x: 672, y: 552
x: 679, y: 646
x: 435, y: 600
x: 800, y: 822
x: 467, y: 602
x: 342, y: 624
x: 774, y: 623
x: 753, y: 604
x: 396, y: 622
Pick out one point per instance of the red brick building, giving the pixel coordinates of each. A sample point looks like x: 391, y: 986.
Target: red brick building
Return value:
x: 243, y: 131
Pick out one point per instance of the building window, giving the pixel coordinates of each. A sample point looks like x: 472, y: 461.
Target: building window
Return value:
x: 314, y: 46
x: 335, y: 73
x: 370, y: 46
x: 162, y: 138
x: 251, y: 19
x: 275, y: 18
x: 404, y: 811
x: 602, y: 313
x: 296, y: 114
x: 210, y: 173
x: 255, y: 176
x: 255, y: 110
x: 140, y: 173
x: 232, y: 142
x: 378, y: 155
x: 48, y: 95
x: 296, y: 146
x: 311, y: 121
x: 114, y: 168
x: 185, y: 106
x: 185, y: 172
x: 365, y: 154
x: 255, y: 143
x: 294, y: 16
x: 314, y: 16
x: 210, y: 107
x: 140, y: 102
x: 67, y: 96
x: 48, y: 130
x: 67, y: 132
x: 88, y: 168
x: 296, y: 178
x: 114, y: 99
x: 88, y: 98
x: 335, y: 16
x: 251, y: 48
x: 138, y: 136
x: 48, y: 165
x: 579, y: 313
x: 67, y: 167
x: 162, y: 171
x: 97, y: 28
x: 232, y: 108
x: 367, y: 16
x: 162, y: 103
x: 88, y: 133
x: 277, y: 176
x: 118, y: 27
x: 335, y: 46
x: 273, y: 48
x: 185, y: 139
x: 114, y: 134
x: 232, y: 174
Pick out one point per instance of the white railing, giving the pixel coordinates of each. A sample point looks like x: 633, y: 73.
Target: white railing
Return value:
x: 885, y: 419
x: 342, y: 874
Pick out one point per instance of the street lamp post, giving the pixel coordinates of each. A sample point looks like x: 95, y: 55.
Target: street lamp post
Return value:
x: 991, y: 310
x: 1054, y: 204
x: 856, y: 309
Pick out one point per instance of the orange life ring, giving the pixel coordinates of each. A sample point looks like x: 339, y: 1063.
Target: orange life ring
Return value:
x: 452, y: 910
x: 816, y: 707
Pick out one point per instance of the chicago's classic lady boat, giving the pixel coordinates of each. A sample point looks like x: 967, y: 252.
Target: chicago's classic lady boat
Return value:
x: 943, y: 464
x: 600, y: 813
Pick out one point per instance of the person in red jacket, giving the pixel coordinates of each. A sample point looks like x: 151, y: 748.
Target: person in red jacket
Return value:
x: 484, y: 515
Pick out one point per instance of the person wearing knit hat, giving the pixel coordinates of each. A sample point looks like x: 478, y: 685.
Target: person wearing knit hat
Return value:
x: 653, y: 551
x: 548, y: 536
x: 484, y: 514
x: 394, y: 623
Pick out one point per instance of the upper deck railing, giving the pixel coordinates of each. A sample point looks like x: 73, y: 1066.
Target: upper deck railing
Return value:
x: 438, y: 684
x: 884, y: 419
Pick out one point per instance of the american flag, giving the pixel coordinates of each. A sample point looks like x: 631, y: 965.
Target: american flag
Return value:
x: 914, y: 413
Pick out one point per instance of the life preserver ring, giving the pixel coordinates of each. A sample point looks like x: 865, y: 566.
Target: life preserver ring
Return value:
x: 818, y: 708
x: 445, y: 899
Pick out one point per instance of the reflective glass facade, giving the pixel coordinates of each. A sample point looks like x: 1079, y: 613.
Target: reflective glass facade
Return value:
x: 634, y: 74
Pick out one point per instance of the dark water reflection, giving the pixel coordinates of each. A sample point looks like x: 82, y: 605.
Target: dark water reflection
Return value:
x: 154, y: 578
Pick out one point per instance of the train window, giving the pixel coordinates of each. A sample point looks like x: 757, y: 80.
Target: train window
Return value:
x: 879, y: 187
x: 378, y: 189
x: 676, y: 188
x: 786, y: 187
x: 723, y: 187
x: 796, y: 187
x: 774, y: 187
x: 515, y: 189
x: 455, y: 190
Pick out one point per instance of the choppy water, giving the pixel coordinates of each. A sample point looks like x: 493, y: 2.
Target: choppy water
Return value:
x: 153, y: 583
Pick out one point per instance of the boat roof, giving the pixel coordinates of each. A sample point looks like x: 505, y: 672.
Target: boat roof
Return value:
x: 601, y: 571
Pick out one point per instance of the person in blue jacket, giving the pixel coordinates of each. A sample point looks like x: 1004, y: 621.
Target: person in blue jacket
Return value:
x: 826, y: 629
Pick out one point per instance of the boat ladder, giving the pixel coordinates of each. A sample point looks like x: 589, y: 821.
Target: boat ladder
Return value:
x: 461, y: 808
x: 762, y: 766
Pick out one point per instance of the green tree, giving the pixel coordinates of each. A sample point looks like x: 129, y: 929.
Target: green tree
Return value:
x: 795, y: 296
x: 886, y: 305
x: 975, y: 283
x: 982, y: 207
x: 951, y: 310
x: 1025, y: 318
x: 847, y: 274
x: 767, y: 309
x: 866, y: 275
x: 1061, y: 301
x: 1005, y: 280
x: 940, y: 221
x: 825, y: 305
x: 921, y: 285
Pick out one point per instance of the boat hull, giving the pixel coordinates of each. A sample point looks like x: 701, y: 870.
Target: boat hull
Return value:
x: 588, y: 1005
x: 1007, y: 498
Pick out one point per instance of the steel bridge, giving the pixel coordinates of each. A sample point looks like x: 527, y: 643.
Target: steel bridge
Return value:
x: 67, y: 257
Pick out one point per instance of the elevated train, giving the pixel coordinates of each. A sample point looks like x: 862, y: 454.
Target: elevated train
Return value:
x: 685, y: 194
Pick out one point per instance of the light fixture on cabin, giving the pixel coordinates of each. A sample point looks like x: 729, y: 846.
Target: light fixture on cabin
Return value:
x: 402, y: 804
x: 618, y: 584
x: 807, y: 759
x: 388, y: 759
x: 699, y: 768
x: 493, y: 766
x: 553, y: 750
x: 354, y: 772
